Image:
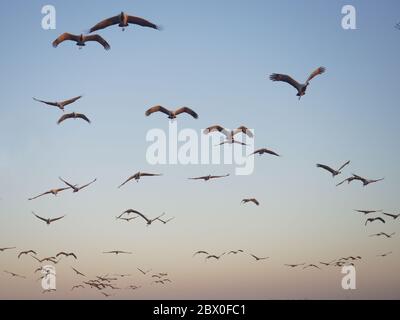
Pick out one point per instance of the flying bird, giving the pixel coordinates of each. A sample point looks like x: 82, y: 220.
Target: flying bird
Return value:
x: 332, y: 171
x: 367, y: 211
x: 8, y: 248
x: 78, y: 272
x: 394, y: 216
x: 254, y: 200
x: 209, y: 177
x: 59, y: 104
x: 311, y: 266
x: 385, y: 254
x: 383, y: 234
x: 73, y: 115
x: 200, y: 252
x: 77, y: 287
x: 123, y: 20
x: 258, y: 258
x: 66, y: 254
x: 127, y: 219
x: 294, y: 265
x: 144, y: 272
x: 229, y: 134
x: 374, y: 219
x: 49, y: 259
x: 81, y: 40
x: 133, y: 287
x: 26, y: 252
x: 52, y: 191
x: 74, y: 187
x: 172, y: 114
x: 213, y: 256
x: 348, y: 180
x: 149, y: 221
x: 235, y: 251
x: 14, y: 274
x: 165, y: 221
x: 48, y: 220
x: 264, y: 150
x: 366, y: 181
x: 300, y: 87
x: 138, y: 175
x: 116, y: 252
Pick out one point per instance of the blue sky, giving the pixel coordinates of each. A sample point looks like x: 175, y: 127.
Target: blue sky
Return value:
x: 213, y: 56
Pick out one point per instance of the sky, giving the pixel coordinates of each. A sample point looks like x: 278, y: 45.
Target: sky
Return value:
x: 215, y: 57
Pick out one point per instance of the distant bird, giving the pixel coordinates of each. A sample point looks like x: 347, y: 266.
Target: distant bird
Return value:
x: 81, y: 40
x: 78, y: 272
x: 385, y: 254
x: 59, y: 104
x: 156, y: 276
x: 116, y: 252
x: 326, y: 263
x: 144, y: 272
x: 66, y: 254
x: 163, y: 274
x: 311, y: 266
x: 127, y: 219
x: 366, y: 181
x: 74, y: 187
x: 123, y: 20
x: 73, y: 115
x: 77, y: 287
x: 165, y: 221
x: 52, y: 191
x: 213, y: 256
x: 332, y: 171
x: 8, y: 248
x: 49, y: 259
x: 200, y: 252
x: 122, y: 275
x: 265, y: 150
x: 133, y: 287
x: 254, y: 200
x: 235, y: 251
x: 394, y: 216
x: 368, y: 211
x: 149, y: 221
x: 105, y: 294
x: 48, y: 220
x: 159, y: 281
x: 229, y: 134
x: 172, y: 113
x: 209, y: 177
x: 294, y: 265
x: 138, y: 175
x: 26, y: 252
x: 300, y: 87
x: 258, y: 258
x: 383, y: 234
x: 14, y: 274
x: 374, y: 219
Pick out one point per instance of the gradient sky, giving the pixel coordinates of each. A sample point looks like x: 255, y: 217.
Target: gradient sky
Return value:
x: 213, y: 56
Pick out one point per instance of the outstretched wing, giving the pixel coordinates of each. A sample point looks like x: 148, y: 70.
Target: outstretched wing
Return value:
x: 99, y: 39
x: 143, y: 216
x: 217, y: 128
x: 255, y: 201
x: 198, y: 178
x: 188, y: 111
x: 214, y: 177
x: 88, y: 184
x: 127, y: 180
x: 105, y: 23
x: 64, y: 37
x: 142, y: 22
x: 65, y: 117
x: 40, y: 195
x: 315, y: 73
x: 82, y: 116
x: 285, y: 78
x: 46, y: 102
x: 158, y: 109
x: 244, y: 130
x: 43, y: 219
x: 345, y: 164
x: 144, y: 174
x: 69, y: 101
x: 67, y: 183
x: 327, y: 168
x: 55, y: 219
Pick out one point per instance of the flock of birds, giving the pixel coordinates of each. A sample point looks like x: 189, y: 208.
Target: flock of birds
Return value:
x: 107, y: 281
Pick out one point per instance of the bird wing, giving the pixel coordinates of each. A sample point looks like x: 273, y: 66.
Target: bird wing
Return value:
x: 127, y: 180
x: 144, y: 174
x: 217, y: 128
x: 244, y: 130
x: 390, y: 215
x: 157, y: 109
x: 142, y: 22
x: 69, y: 101
x: 47, y: 102
x: 327, y: 168
x: 215, y: 177
x: 65, y: 117
x: 198, y: 178
x: 67, y: 183
x: 40, y: 195
x: 88, y: 184
x: 255, y: 201
x: 82, y: 116
x: 65, y: 36
x: 99, y: 39
x: 345, y: 164
x: 43, y: 219
x: 285, y: 78
x: 315, y: 73
x: 55, y: 219
x: 188, y: 111
x: 105, y: 23
x: 143, y: 216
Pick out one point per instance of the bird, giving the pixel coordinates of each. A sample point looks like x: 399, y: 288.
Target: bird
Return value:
x: 78, y: 272
x: 209, y: 177
x: 74, y: 187
x: 81, y: 40
x: 394, y: 216
x: 8, y: 248
x: 213, y: 256
x: 48, y: 220
x: 229, y: 134
x: 133, y: 287
x: 333, y: 171
x: 49, y: 259
x: 26, y: 252
x: 348, y: 180
x: 159, y: 281
x: 156, y: 276
x: 374, y: 219
x: 165, y: 221
x: 127, y: 219
x: 300, y: 87
x: 149, y: 221
x: 14, y: 274
x: 172, y: 114
x: 200, y: 252
x: 59, y: 104
x: 116, y: 252
x: 383, y: 234
x: 264, y: 150
x: 137, y: 177
x: 52, y: 191
x: 105, y: 294
x: 77, y: 287
x: 123, y: 20
x: 258, y: 258
x: 144, y: 272
x: 366, y: 181
x: 122, y: 275
x: 73, y: 115
x: 367, y: 211
x: 66, y: 254
x: 235, y: 251
x: 254, y: 200
x: 294, y: 265
x: 311, y: 266
x: 384, y: 254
